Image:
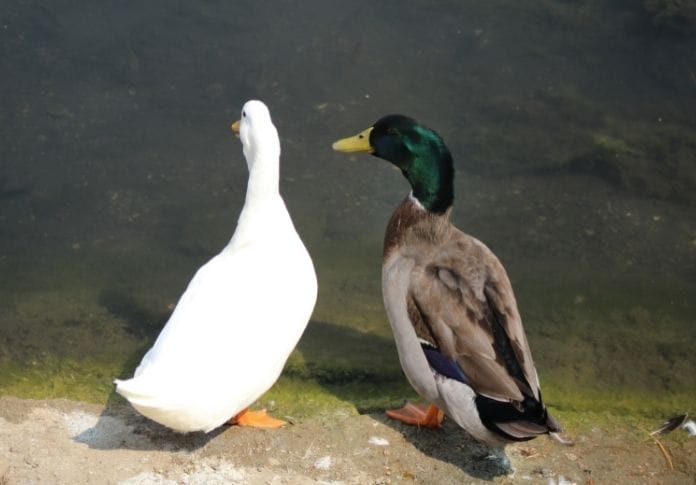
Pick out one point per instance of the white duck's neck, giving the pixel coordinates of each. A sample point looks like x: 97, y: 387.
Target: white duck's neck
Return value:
x: 264, y: 176
x: 262, y: 153
x: 264, y: 211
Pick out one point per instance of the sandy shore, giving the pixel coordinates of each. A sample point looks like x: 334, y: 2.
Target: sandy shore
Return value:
x: 60, y: 441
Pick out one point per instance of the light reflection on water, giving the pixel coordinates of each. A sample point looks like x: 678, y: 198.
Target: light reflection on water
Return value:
x: 570, y: 128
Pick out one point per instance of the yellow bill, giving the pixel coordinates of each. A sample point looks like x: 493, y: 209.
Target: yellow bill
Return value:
x: 235, y: 127
x: 357, y: 143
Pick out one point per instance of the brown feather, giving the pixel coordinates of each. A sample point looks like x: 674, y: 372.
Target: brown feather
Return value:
x: 416, y: 317
x: 458, y: 292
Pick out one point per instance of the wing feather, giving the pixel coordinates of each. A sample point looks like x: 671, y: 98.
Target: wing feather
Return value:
x: 466, y: 305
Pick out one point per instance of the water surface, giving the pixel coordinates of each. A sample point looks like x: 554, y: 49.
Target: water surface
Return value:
x: 572, y: 126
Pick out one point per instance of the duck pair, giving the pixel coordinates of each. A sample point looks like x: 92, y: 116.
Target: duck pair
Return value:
x: 449, y: 301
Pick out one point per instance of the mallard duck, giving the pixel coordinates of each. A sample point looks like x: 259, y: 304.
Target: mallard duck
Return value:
x: 449, y: 301
x: 242, y: 313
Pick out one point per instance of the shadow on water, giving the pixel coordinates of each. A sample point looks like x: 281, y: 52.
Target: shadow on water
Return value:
x: 334, y: 355
x: 140, y: 321
x: 354, y: 366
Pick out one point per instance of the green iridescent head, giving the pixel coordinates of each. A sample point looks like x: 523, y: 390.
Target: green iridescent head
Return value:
x: 417, y: 150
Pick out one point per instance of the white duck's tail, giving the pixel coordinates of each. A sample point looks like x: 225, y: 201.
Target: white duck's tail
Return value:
x: 185, y: 413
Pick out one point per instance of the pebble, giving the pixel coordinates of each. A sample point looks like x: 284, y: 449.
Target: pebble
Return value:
x: 377, y: 441
x: 323, y: 463
x: 561, y: 480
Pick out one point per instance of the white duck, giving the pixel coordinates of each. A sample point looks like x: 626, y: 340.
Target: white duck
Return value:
x: 242, y: 314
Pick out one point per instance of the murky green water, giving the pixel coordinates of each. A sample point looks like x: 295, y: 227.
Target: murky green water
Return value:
x: 572, y: 125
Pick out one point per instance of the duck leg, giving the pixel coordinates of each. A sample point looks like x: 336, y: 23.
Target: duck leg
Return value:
x: 419, y: 414
x: 256, y: 419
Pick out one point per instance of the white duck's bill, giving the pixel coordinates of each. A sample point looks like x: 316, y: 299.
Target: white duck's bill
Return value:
x: 235, y: 127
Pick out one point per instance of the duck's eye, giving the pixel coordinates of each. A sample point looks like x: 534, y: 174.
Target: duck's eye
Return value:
x: 392, y: 131
x: 243, y: 114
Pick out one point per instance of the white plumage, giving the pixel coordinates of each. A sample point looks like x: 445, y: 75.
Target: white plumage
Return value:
x: 243, y: 312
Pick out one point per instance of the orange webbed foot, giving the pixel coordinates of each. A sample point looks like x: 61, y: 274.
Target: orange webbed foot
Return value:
x: 256, y: 419
x: 421, y: 415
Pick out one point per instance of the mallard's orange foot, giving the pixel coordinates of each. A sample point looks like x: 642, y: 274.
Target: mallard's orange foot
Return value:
x: 419, y: 414
x: 256, y: 419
